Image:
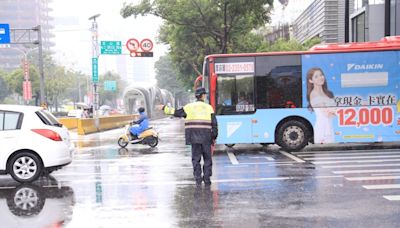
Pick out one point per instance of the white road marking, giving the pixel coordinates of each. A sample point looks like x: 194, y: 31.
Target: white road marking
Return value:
x: 292, y: 157
x: 350, y: 158
x: 232, y: 158
x: 392, y: 197
x: 7, y: 187
x: 270, y: 158
x: 381, y: 186
x: 372, y: 178
x: 359, y: 166
x: 358, y: 161
x: 342, y: 151
x: 262, y: 157
x: 366, y: 171
x: 347, y: 154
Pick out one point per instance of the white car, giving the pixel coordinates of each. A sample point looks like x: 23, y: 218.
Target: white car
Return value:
x: 29, y: 205
x: 32, y: 142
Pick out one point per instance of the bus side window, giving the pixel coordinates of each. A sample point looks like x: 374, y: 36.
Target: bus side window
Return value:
x: 278, y: 81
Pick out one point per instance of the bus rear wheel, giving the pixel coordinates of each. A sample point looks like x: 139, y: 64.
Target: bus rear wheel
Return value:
x: 293, y: 135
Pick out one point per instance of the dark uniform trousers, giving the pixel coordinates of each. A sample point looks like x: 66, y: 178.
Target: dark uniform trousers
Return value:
x: 199, y: 150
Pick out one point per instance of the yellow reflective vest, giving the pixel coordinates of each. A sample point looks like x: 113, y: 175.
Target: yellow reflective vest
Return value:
x: 200, y: 122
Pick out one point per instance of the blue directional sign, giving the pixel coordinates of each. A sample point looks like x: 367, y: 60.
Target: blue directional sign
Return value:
x: 111, y: 47
x: 95, y: 70
x: 110, y: 85
x: 4, y: 33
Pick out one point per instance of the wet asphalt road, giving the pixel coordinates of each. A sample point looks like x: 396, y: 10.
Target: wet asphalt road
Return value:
x: 253, y: 186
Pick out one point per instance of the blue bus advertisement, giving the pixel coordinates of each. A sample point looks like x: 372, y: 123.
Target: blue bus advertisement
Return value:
x: 358, y: 99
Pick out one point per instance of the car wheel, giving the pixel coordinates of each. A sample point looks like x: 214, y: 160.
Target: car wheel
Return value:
x: 25, y: 167
x: 293, y: 136
x: 122, y: 143
x: 153, y: 141
x: 25, y: 201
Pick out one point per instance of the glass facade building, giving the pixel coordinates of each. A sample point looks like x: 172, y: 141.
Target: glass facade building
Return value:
x: 24, y: 14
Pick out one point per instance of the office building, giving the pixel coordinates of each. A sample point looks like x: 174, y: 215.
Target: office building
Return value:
x: 324, y: 19
x: 24, y: 14
x: 371, y: 20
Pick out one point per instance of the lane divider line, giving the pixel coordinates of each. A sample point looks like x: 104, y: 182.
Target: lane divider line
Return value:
x: 292, y: 157
x: 232, y: 158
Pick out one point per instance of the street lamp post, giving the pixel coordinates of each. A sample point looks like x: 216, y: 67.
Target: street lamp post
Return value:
x: 25, y: 63
x: 95, y: 55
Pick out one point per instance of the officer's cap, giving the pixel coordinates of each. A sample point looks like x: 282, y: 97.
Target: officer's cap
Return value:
x: 200, y: 91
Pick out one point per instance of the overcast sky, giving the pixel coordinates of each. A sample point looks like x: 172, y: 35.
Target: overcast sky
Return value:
x: 73, y: 37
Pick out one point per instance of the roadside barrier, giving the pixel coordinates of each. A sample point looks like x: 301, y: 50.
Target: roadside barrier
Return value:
x: 92, y: 125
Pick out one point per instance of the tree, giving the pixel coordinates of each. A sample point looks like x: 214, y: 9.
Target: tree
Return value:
x: 196, y: 28
x: 293, y: 45
x: 110, y: 97
x: 4, y: 91
x: 166, y: 75
x: 14, y: 81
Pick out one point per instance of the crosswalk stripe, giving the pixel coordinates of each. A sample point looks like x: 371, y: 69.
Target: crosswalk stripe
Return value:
x: 347, y: 154
x: 381, y: 186
x: 342, y: 151
x: 366, y: 171
x: 392, y: 197
x: 359, y: 166
x: 350, y: 158
x: 358, y: 161
x: 372, y: 178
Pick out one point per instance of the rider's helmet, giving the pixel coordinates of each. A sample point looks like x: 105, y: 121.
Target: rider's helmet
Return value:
x: 141, y: 109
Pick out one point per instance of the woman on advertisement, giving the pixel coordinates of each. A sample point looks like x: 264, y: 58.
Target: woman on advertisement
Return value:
x: 321, y: 101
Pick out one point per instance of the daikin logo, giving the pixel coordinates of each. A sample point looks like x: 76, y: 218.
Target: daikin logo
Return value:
x: 353, y: 66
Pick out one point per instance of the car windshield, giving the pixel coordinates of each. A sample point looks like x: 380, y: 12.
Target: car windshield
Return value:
x: 48, y: 118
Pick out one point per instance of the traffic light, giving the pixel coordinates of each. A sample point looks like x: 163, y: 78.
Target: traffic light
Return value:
x: 144, y: 54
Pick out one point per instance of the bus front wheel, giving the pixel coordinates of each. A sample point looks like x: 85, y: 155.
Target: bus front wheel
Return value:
x: 293, y: 135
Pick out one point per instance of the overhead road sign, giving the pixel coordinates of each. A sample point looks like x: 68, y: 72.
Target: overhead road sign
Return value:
x: 110, y: 85
x: 111, y: 47
x: 4, y: 34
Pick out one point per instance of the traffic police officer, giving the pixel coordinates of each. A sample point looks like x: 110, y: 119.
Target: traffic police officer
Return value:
x: 201, y: 130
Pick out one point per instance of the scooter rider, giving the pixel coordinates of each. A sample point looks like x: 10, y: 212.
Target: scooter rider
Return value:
x: 143, y: 123
x: 201, y: 130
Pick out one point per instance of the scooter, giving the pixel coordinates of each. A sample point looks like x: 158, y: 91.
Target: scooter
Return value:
x: 148, y: 137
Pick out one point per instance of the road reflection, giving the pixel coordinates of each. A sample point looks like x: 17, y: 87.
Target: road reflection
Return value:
x: 40, y: 204
x: 196, y: 206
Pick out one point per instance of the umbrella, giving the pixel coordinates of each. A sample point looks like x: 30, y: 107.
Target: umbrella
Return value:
x: 82, y: 105
x: 105, y: 107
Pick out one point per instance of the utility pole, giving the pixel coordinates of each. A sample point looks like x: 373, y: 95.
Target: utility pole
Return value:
x: 95, y: 56
x: 41, y: 72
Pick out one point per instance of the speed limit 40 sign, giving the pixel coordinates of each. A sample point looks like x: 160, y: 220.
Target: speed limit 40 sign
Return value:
x: 146, y: 45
